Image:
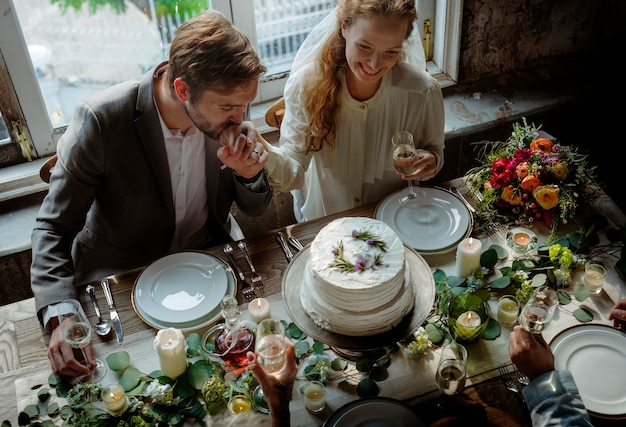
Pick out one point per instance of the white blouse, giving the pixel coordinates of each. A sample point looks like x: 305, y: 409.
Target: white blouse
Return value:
x: 359, y: 169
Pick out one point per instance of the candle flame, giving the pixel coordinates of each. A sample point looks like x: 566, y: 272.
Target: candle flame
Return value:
x: 470, y: 242
x: 469, y: 317
x: 258, y: 303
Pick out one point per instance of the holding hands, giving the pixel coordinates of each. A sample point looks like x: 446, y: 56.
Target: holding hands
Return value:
x: 242, y: 149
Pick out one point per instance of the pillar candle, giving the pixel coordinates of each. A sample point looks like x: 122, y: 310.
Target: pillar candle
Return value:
x: 259, y: 309
x: 468, y: 256
x: 170, y: 347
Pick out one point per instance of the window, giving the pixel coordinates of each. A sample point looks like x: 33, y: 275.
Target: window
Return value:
x: 50, y: 60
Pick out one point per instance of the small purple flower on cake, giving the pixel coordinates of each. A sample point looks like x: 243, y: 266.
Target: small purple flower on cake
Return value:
x: 364, y: 258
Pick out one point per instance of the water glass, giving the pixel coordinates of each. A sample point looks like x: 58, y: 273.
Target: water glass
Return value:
x: 270, y: 349
x: 594, y: 276
x: 452, y: 369
x: 535, y: 316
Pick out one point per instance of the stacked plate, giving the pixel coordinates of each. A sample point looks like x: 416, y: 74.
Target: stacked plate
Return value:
x: 434, y: 222
x: 182, y: 291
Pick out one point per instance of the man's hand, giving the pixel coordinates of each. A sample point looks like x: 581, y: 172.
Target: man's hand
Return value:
x: 243, y: 150
x: 62, y: 359
x: 530, y: 352
x: 618, y: 315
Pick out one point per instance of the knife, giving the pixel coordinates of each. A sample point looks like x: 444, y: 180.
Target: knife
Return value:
x: 228, y: 250
x: 283, y: 244
x: 115, y: 318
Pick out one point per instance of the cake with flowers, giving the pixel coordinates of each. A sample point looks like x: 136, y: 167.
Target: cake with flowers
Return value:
x: 356, y: 281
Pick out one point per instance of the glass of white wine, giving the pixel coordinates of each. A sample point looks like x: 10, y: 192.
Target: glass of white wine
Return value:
x: 271, y: 354
x: 404, y: 154
x: 77, y: 333
x: 536, y: 315
x: 452, y: 369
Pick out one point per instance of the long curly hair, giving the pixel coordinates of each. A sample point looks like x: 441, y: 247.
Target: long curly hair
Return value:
x: 321, y: 99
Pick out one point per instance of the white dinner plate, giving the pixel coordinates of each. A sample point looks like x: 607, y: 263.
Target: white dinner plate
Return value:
x: 432, y: 223
x: 182, y: 290
x: 374, y: 412
x: 596, y: 357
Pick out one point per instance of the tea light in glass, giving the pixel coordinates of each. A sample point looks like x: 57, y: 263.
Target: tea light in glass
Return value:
x: 239, y: 405
x: 508, y: 310
x: 594, y: 276
x: 314, y: 396
x: 114, y: 399
x: 521, y: 240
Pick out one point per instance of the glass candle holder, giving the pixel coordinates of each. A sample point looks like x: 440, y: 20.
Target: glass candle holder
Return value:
x: 114, y: 398
x: 508, y: 310
x: 468, y: 316
x: 594, y: 276
x: 239, y: 405
x: 314, y: 396
x: 521, y: 240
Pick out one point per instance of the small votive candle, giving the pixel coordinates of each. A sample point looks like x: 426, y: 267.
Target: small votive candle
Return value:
x: 259, y: 309
x: 239, y: 404
x: 314, y: 396
x: 469, y: 319
x: 521, y: 240
x: 594, y: 276
x: 508, y: 309
x: 170, y: 347
x: 114, y: 399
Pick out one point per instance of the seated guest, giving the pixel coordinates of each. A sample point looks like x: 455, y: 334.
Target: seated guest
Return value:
x: 552, y: 396
x: 357, y: 79
x: 618, y: 315
x: 141, y: 173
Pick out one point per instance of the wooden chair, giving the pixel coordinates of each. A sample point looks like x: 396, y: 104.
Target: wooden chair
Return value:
x: 46, y: 169
x: 274, y: 115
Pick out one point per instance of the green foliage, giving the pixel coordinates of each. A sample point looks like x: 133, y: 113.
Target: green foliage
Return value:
x: 182, y: 8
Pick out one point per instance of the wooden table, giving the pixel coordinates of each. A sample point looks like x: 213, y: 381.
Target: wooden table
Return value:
x: 22, y: 345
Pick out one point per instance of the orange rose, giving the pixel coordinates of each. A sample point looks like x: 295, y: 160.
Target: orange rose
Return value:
x: 522, y: 170
x: 547, y: 196
x: 530, y: 183
x: 541, y: 144
x: 560, y: 171
x: 511, y: 195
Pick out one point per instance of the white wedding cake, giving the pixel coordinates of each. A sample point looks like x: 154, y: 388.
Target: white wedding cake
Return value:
x: 356, y: 281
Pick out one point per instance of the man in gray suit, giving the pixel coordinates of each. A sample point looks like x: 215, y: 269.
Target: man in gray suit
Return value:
x: 141, y: 172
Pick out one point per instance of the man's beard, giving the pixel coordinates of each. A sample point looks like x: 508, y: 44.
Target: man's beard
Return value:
x: 203, y: 125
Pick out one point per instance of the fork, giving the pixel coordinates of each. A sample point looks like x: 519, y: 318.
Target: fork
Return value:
x: 247, y: 291
x: 523, y: 379
x: 496, y: 231
x: 257, y: 281
x: 508, y: 382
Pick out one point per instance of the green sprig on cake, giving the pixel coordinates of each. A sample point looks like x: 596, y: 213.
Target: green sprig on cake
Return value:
x: 362, y: 263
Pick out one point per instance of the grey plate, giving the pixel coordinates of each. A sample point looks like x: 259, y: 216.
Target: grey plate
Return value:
x: 421, y: 277
x: 375, y: 412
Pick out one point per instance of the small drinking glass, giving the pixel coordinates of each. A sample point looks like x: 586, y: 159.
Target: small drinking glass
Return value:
x: 314, y: 396
x: 404, y: 154
x: 548, y: 296
x: 452, y: 369
x: 508, y: 310
x: 594, y: 276
x: 270, y: 345
x: 535, y: 316
x: 77, y: 333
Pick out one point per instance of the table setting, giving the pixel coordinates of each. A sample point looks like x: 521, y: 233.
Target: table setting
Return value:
x: 457, y: 238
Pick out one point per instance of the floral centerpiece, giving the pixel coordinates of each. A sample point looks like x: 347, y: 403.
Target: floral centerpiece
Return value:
x: 531, y: 177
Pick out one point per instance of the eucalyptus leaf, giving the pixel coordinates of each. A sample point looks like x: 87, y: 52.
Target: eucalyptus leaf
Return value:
x: 379, y: 373
x: 339, y: 364
x: 493, y: 330
x: 367, y: 387
x: 439, y: 275
x: 384, y: 361
x: 183, y: 388
x: 454, y: 281
x: 318, y: 347
x: 302, y: 348
x: 363, y: 364
x: 198, y: 373
x: 53, y: 409
x: 294, y: 332
x: 583, y: 315
x: 43, y: 394
x: 130, y: 378
x: 502, y: 252
x: 539, y: 279
x: 435, y: 333
x: 193, y: 344
x: 118, y: 361
x: 501, y: 282
x: 489, y: 258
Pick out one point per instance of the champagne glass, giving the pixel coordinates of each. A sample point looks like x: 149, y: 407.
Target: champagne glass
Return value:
x: 271, y: 354
x: 404, y: 154
x: 452, y: 369
x: 77, y: 333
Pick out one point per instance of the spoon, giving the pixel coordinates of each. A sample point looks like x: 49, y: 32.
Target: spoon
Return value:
x: 103, y: 327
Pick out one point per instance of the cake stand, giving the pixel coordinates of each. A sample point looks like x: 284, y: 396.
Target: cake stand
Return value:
x: 353, y: 347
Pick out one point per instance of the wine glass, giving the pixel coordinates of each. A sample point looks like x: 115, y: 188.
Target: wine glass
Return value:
x: 452, y: 369
x: 404, y: 154
x: 271, y: 353
x: 535, y: 316
x: 77, y: 333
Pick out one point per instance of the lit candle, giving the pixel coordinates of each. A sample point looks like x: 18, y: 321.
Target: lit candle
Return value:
x: 259, y: 309
x: 114, y: 399
x: 521, y: 239
x: 468, y: 256
x: 469, y: 319
x: 170, y: 346
x: 314, y: 396
x: 239, y: 404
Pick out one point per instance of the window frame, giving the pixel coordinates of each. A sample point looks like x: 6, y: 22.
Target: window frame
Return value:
x: 25, y: 103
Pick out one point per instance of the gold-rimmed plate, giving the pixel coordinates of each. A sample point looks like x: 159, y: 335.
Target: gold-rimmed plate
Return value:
x: 432, y: 223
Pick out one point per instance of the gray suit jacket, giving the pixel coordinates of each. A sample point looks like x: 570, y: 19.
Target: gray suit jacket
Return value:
x: 109, y: 207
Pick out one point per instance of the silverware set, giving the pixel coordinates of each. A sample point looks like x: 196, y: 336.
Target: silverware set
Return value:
x: 247, y: 290
x: 103, y: 327
x: 509, y: 378
x: 257, y: 281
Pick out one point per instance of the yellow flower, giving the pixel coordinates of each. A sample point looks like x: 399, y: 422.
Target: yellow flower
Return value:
x: 511, y: 195
x: 522, y: 170
x: 547, y: 196
x: 560, y: 171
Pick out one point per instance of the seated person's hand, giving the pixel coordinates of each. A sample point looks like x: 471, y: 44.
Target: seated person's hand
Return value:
x: 530, y: 352
x: 62, y: 358
x: 618, y: 315
x: 243, y: 150
x: 426, y: 165
x: 277, y: 387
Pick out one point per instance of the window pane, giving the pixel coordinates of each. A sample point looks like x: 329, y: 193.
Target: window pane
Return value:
x: 4, y: 132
